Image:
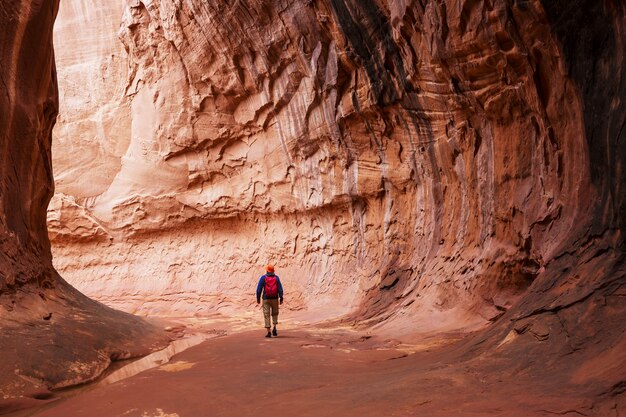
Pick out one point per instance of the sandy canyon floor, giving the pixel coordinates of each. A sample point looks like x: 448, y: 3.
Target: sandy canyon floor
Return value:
x: 314, y: 370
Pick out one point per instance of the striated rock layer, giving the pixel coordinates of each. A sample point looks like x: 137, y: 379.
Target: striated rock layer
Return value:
x: 51, y: 336
x: 441, y: 152
x: 421, y: 165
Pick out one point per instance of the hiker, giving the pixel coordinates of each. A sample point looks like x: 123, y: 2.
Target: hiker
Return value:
x: 272, y: 290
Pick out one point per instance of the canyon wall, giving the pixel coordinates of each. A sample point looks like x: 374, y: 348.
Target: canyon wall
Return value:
x: 409, y: 166
x: 392, y: 158
x: 51, y: 336
x: 415, y: 165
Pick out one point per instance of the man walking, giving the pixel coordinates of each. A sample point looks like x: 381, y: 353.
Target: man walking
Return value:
x: 272, y: 290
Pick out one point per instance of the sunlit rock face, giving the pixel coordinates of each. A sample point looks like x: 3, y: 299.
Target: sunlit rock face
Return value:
x: 427, y: 165
x: 51, y: 336
x: 93, y: 72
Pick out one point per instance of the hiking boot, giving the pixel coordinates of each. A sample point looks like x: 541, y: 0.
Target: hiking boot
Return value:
x: 274, y: 332
x: 268, y: 334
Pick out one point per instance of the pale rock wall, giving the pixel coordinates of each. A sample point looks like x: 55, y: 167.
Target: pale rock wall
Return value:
x: 92, y: 72
x: 395, y: 159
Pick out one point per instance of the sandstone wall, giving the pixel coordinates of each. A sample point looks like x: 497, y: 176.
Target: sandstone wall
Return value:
x: 93, y: 72
x: 50, y: 335
x: 421, y: 161
x: 423, y: 165
x: 29, y: 106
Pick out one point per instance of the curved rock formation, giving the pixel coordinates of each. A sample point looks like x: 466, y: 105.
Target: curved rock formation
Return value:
x: 422, y: 165
x: 51, y: 336
x: 423, y: 155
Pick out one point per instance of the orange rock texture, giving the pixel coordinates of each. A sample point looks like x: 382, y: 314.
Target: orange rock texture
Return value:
x: 51, y: 336
x: 415, y: 165
x: 412, y: 165
x: 398, y: 158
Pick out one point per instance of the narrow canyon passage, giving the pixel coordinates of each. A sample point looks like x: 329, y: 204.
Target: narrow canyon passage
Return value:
x: 439, y: 184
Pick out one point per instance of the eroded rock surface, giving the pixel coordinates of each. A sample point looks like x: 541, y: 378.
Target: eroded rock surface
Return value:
x: 436, y: 152
x: 424, y: 165
x: 51, y: 336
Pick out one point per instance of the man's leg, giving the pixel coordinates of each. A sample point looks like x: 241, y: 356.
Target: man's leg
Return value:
x: 266, y: 314
x: 275, y: 316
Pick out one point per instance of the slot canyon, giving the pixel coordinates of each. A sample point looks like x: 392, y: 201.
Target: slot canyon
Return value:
x: 440, y: 185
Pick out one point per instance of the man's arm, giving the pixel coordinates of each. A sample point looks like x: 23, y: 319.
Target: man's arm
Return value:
x: 259, y: 288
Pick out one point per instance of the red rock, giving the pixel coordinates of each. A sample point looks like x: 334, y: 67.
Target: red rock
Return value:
x: 51, y: 336
x: 411, y: 167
